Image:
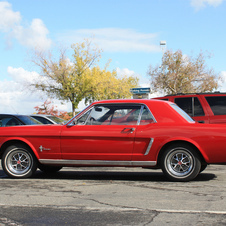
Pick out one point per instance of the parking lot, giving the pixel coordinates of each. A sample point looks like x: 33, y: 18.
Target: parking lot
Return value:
x: 113, y: 196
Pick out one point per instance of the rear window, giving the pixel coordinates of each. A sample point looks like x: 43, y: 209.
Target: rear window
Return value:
x: 182, y: 113
x: 217, y: 104
x: 190, y: 105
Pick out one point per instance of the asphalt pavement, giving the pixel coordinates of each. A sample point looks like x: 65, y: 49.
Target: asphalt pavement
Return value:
x: 113, y: 196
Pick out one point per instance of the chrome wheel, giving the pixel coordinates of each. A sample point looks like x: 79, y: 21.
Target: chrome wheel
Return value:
x: 181, y: 163
x: 18, y: 161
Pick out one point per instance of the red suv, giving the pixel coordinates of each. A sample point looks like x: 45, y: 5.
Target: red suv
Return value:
x: 202, y: 107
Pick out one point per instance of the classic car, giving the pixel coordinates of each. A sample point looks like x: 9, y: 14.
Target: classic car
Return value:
x: 125, y: 133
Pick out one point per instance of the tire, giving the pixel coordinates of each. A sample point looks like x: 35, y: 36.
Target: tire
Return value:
x: 49, y: 169
x: 180, y: 162
x: 18, y: 161
x: 203, y: 167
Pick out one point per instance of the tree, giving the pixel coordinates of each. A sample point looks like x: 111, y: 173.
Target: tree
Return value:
x: 80, y: 78
x: 48, y: 109
x: 183, y: 74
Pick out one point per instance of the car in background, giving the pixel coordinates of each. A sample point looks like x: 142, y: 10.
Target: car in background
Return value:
x: 202, y: 107
x: 48, y: 119
x: 120, y: 133
x: 16, y: 120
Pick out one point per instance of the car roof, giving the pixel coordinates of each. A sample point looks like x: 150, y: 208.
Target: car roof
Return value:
x: 132, y: 101
x: 12, y: 115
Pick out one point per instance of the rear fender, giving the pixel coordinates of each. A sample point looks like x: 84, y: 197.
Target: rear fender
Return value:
x: 187, y: 140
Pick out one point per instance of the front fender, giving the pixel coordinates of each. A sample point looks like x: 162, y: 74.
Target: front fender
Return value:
x: 9, y: 140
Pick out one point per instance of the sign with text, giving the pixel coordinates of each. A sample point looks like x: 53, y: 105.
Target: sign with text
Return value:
x: 140, y: 90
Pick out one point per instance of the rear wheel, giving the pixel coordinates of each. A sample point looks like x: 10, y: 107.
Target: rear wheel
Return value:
x: 180, y: 162
x: 18, y: 161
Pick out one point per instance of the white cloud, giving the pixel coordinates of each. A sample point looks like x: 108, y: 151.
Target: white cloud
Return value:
x: 15, y: 98
x: 124, y: 71
x: 8, y: 18
x: 198, y: 4
x: 34, y: 35
x: 115, y: 39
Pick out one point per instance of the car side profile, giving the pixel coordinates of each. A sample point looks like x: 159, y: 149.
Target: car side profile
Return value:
x: 122, y: 133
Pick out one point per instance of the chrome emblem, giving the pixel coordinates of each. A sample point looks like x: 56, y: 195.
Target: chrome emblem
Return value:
x: 41, y: 148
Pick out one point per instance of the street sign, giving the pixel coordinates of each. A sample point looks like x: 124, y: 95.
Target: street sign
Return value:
x: 140, y: 90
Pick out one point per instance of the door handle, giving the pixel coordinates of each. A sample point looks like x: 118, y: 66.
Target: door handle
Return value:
x: 201, y: 121
x: 128, y: 130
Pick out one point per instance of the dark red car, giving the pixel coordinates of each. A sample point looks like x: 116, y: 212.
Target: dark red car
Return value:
x: 126, y: 133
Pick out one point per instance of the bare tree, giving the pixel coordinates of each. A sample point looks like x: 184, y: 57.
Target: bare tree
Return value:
x: 183, y: 74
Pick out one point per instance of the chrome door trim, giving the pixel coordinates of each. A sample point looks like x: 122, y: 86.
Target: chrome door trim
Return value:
x: 96, y: 162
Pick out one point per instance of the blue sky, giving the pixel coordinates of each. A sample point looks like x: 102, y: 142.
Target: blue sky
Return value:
x: 128, y: 32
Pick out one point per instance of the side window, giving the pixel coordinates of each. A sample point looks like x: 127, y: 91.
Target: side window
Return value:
x: 41, y: 119
x: 111, y: 114
x: 217, y: 104
x: 185, y: 104
x: 82, y: 120
x: 146, y: 117
x: 9, y: 121
x: 198, y: 110
x: 190, y: 105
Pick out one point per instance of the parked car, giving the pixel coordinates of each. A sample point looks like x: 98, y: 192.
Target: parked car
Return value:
x: 16, y: 120
x: 126, y: 133
x: 202, y: 107
x: 48, y: 119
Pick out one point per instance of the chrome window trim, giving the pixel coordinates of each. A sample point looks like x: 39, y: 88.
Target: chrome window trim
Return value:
x: 149, y: 146
x: 96, y: 162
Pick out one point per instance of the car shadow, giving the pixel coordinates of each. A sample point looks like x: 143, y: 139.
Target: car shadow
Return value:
x: 152, y: 175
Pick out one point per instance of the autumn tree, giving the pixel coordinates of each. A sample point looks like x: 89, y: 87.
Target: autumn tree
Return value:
x: 47, y: 108
x: 79, y: 78
x: 180, y: 73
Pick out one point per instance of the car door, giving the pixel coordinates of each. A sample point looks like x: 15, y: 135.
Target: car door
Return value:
x: 144, y: 136
x: 105, y: 132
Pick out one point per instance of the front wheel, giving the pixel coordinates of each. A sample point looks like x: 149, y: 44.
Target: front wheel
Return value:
x: 180, y: 163
x: 18, y: 161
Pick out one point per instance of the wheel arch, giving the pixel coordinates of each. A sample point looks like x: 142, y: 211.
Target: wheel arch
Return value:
x: 179, y: 142
x: 10, y: 142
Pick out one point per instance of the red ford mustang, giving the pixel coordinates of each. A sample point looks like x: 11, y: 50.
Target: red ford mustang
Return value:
x: 135, y: 133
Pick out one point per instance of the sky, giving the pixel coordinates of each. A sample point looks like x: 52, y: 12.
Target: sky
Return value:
x: 128, y: 31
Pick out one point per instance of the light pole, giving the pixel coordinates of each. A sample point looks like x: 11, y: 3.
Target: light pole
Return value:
x: 163, y: 46
x: 163, y: 66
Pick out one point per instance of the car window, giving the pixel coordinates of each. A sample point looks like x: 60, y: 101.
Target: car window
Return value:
x: 56, y: 119
x: 217, y: 104
x: 182, y: 113
x: 190, y: 105
x: 83, y: 118
x: 28, y: 120
x: 9, y: 121
x: 146, y: 117
x: 42, y: 120
x: 109, y: 114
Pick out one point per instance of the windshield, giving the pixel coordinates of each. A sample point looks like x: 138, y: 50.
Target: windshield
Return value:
x: 28, y: 120
x: 56, y: 119
x: 182, y: 113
